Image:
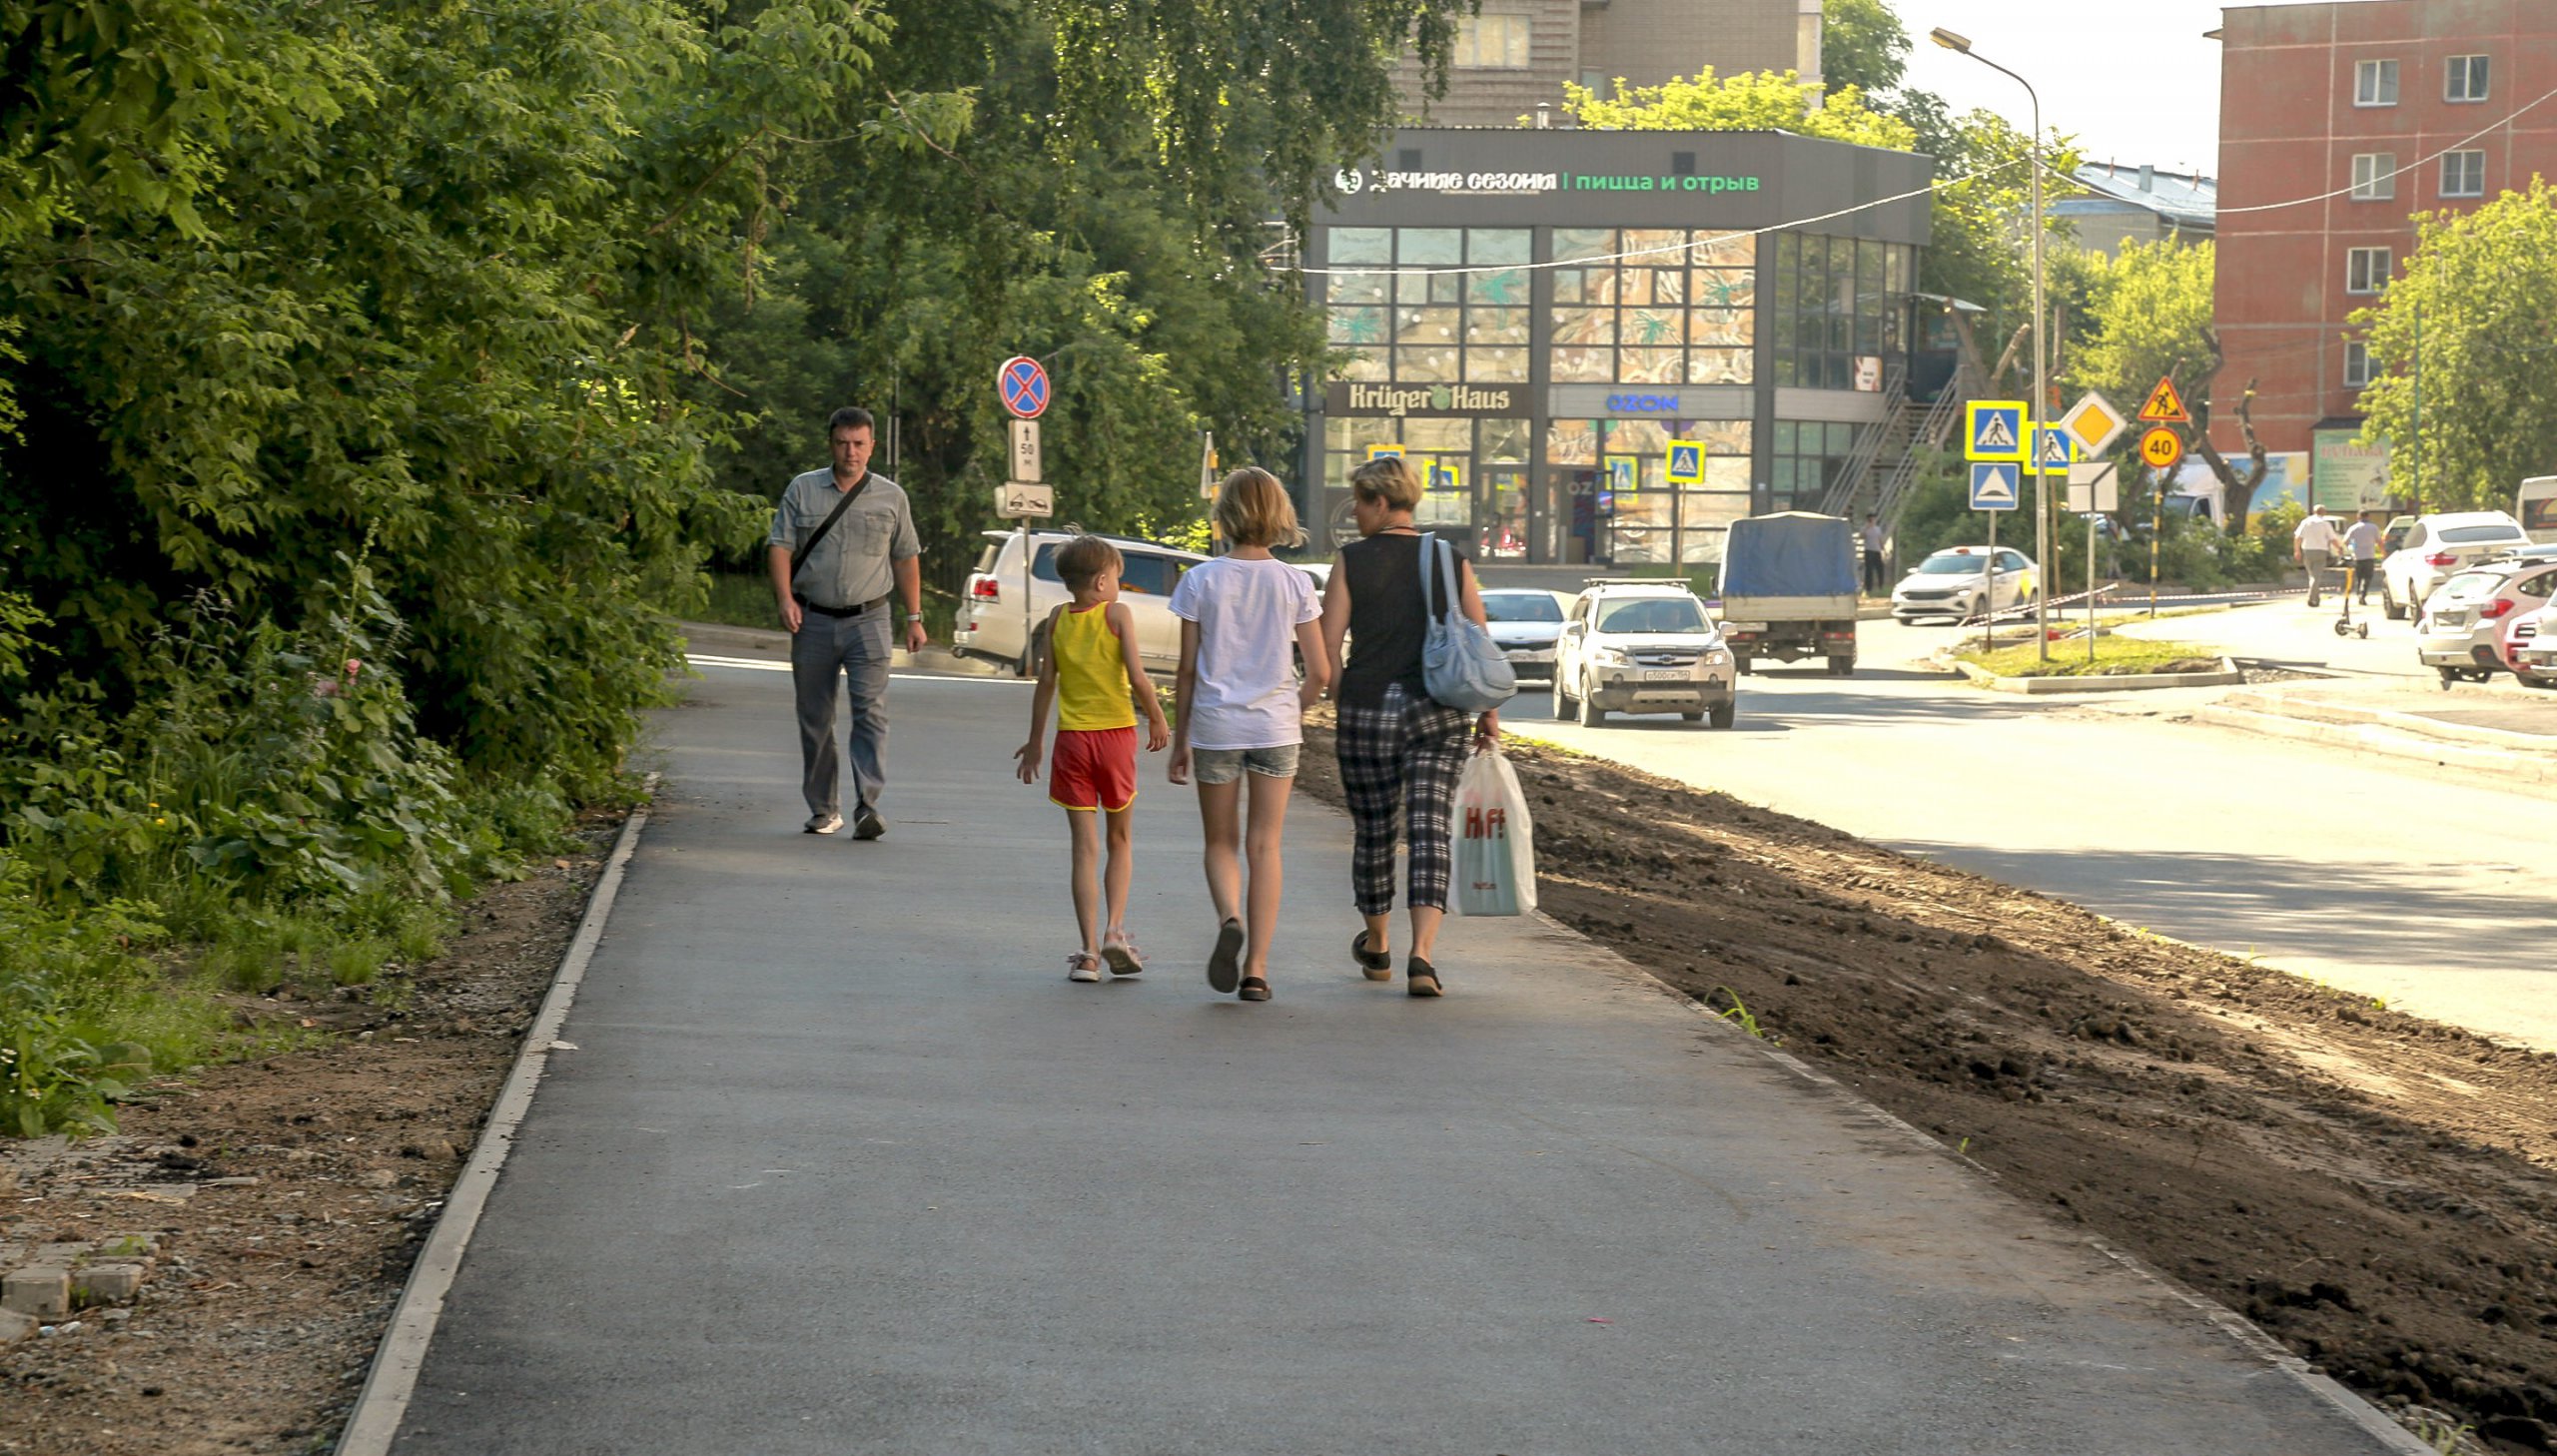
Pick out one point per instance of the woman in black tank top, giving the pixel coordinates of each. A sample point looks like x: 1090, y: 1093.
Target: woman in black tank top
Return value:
x: 1400, y: 751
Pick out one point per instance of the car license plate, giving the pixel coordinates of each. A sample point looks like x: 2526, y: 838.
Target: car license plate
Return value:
x: 1662, y: 674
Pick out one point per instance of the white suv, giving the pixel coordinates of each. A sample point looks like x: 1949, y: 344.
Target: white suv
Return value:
x: 991, y: 617
x: 2435, y: 547
x: 1642, y: 647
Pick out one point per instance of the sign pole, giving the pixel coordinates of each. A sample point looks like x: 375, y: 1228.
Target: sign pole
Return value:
x: 2157, y: 530
x: 2091, y: 587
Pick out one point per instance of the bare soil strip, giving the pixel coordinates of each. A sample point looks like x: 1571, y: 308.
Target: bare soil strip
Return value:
x: 255, y: 1332
x: 2374, y: 1190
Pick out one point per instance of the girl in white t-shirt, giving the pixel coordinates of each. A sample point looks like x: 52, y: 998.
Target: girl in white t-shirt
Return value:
x: 1239, y: 715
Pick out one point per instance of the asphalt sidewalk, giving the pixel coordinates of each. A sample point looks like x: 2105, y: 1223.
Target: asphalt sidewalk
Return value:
x: 841, y: 1163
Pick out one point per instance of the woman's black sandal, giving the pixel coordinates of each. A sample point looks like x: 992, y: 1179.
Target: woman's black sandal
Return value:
x: 1374, y: 965
x: 1253, y: 989
x: 1422, y: 979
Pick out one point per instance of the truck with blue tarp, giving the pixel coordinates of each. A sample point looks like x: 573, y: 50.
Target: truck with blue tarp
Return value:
x: 1789, y: 589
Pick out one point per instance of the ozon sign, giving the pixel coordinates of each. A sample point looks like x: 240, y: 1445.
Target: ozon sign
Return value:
x: 1642, y: 403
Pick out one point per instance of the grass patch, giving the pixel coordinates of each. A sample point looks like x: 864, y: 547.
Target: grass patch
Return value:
x: 2114, y: 656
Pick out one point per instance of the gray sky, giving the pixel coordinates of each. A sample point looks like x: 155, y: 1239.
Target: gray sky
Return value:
x: 2134, y: 83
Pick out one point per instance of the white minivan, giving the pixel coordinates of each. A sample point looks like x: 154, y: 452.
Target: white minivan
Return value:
x: 2536, y: 510
x: 991, y: 616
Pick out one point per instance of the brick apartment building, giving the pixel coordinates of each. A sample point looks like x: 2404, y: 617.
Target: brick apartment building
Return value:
x: 2340, y: 97
x: 1517, y: 53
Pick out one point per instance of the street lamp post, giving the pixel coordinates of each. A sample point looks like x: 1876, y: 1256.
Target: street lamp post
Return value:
x: 2041, y: 353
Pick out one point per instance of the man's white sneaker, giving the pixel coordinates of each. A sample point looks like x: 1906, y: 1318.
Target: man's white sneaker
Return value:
x: 823, y: 823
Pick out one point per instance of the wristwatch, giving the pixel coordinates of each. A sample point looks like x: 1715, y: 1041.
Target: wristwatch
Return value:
x: 914, y: 616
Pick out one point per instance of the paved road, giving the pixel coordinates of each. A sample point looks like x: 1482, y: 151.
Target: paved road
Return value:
x: 2289, y: 631
x: 844, y: 1164
x: 2362, y: 872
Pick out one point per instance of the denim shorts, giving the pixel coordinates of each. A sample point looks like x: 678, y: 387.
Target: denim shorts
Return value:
x: 1224, y: 765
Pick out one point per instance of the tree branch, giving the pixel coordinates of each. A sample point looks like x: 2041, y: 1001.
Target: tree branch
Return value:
x: 2240, y: 493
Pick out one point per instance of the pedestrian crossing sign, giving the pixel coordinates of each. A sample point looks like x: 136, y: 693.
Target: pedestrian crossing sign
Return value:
x: 1995, y: 485
x: 1444, y: 475
x: 1379, y: 451
x: 2056, y: 452
x: 1993, y: 430
x: 1686, y: 462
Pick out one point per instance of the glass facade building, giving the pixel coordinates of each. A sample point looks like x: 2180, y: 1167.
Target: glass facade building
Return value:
x: 1536, y: 317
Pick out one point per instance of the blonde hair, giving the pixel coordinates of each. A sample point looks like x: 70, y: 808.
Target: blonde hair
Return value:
x: 1253, y: 509
x: 1388, y: 478
x: 1085, y: 557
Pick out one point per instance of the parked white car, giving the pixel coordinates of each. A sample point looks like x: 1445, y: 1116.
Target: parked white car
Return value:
x: 2468, y: 622
x: 1526, y: 622
x: 2533, y: 648
x: 1643, y: 647
x: 1955, y: 583
x: 991, y: 616
x: 2436, y: 546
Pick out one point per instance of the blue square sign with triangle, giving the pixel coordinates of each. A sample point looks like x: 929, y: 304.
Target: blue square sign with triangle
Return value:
x: 1995, y: 485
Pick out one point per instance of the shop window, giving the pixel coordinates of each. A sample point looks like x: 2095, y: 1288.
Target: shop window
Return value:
x: 1636, y: 314
x: 2374, y: 176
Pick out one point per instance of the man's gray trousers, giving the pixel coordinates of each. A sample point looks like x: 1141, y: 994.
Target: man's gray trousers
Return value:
x: 854, y: 650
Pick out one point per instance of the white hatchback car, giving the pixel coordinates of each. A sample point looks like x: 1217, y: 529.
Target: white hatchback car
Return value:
x: 992, y: 620
x: 1952, y: 583
x: 1643, y: 647
x: 2435, y: 547
x: 2467, y: 625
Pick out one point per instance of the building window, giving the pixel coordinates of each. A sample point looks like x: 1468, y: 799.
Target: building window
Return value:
x: 2366, y: 270
x: 2374, y: 82
x: 2356, y: 364
x: 1627, y: 512
x: 1653, y: 306
x: 2464, y: 79
x: 1836, y: 298
x: 1810, y: 457
x: 1494, y: 42
x: 2464, y: 174
x: 2374, y: 176
x: 1419, y: 316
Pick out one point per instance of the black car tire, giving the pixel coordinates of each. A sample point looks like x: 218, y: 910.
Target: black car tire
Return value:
x: 1590, y: 715
x: 1723, y: 716
x: 2390, y: 607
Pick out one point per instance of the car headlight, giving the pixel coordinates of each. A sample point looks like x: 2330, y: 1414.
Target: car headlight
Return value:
x: 1717, y: 658
x: 1610, y: 657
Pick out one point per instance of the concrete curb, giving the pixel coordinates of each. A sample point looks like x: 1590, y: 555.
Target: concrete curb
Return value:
x: 2227, y: 675
x: 2509, y: 768
x: 2239, y: 1330
x: 384, y: 1402
x: 2414, y: 724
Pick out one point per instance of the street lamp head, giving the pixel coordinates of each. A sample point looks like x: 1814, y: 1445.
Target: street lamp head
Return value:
x: 1949, y: 40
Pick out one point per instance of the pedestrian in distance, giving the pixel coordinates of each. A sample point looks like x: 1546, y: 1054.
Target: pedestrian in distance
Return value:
x: 2361, y: 546
x: 841, y: 539
x: 1238, y: 713
x: 1093, y: 676
x: 1401, y: 750
x: 1873, y: 582
x: 2312, y: 544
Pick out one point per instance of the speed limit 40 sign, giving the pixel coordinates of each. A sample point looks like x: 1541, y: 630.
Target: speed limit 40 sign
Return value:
x: 2162, y: 447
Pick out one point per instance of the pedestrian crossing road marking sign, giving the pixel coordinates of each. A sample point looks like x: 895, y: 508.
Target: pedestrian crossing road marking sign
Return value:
x: 2058, y: 451
x: 1379, y: 451
x: 1995, y: 485
x: 1686, y: 462
x: 1993, y: 430
x: 1444, y: 475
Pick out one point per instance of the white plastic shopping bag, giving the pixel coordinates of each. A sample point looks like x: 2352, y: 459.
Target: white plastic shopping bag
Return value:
x: 1496, y: 840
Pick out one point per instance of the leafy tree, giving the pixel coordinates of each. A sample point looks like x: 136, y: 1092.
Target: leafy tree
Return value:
x: 1862, y: 45
x: 2149, y: 308
x: 1759, y: 101
x: 2478, y: 292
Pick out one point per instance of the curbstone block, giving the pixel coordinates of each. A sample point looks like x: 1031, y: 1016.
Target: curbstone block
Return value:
x: 15, y: 1327
x: 106, y: 1283
x: 43, y: 1290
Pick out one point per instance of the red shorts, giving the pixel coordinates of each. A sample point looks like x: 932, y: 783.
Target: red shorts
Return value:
x: 1093, y: 768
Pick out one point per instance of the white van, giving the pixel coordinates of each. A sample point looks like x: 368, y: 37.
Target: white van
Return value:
x: 2536, y: 508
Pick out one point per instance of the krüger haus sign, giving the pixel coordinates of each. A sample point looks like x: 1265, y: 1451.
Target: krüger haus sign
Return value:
x: 1346, y: 398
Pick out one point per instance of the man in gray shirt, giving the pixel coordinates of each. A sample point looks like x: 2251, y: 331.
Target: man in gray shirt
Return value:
x: 832, y: 586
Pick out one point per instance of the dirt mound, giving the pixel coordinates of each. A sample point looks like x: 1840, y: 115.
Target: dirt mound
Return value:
x: 2374, y: 1190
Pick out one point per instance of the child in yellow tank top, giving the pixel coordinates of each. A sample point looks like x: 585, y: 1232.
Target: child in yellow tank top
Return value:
x: 1092, y: 673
